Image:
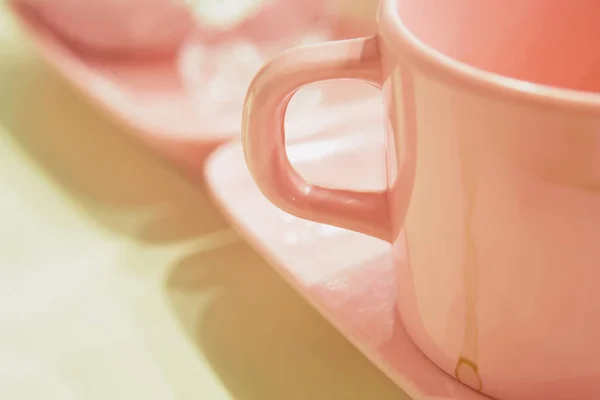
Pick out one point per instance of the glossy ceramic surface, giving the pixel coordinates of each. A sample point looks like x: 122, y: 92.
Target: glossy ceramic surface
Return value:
x: 493, y: 170
x: 355, y: 290
x: 186, y: 105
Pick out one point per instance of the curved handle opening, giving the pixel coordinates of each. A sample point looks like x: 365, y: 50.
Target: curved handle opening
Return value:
x: 264, y: 135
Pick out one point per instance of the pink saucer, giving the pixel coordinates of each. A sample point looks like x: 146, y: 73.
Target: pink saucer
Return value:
x: 346, y: 276
x: 187, y: 105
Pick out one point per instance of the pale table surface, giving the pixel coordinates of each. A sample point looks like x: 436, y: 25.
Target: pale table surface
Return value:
x: 120, y: 280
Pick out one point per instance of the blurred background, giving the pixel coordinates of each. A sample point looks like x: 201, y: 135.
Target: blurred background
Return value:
x: 119, y: 276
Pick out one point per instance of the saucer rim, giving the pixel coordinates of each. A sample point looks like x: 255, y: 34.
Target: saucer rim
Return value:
x: 254, y: 241
x: 185, y: 151
x: 47, y: 44
x: 214, y: 188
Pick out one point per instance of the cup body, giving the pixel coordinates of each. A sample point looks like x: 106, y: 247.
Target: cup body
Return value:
x: 492, y: 205
x: 497, y: 257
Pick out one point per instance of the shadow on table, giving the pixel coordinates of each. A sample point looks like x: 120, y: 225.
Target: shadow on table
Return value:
x: 261, y: 338
x: 118, y: 181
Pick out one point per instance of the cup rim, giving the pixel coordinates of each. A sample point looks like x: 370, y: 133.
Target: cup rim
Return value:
x: 394, y: 31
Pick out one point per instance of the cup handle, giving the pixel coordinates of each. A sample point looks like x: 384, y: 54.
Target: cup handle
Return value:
x: 264, y: 136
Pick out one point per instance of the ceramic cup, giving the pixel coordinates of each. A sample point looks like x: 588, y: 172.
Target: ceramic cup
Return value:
x: 493, y: 198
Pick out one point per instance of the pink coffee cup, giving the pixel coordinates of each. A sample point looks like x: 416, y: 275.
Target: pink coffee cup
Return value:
x: 493, y: 159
